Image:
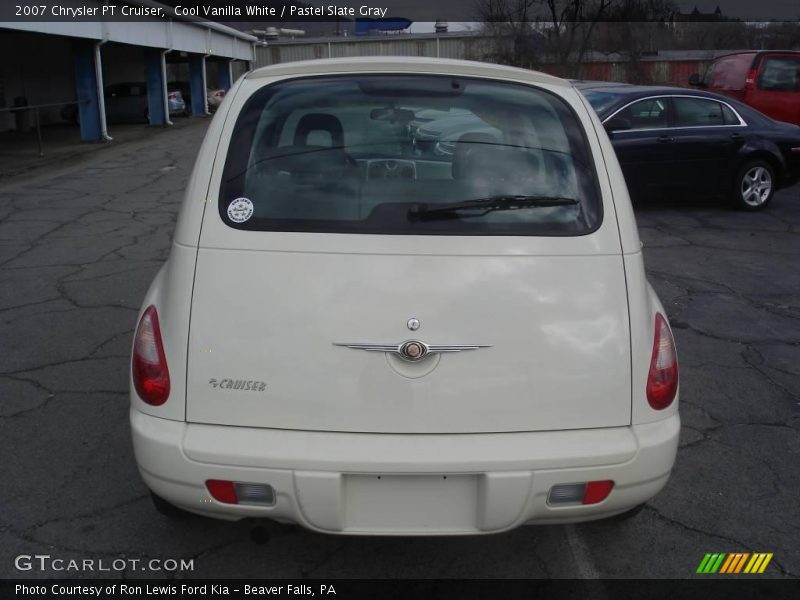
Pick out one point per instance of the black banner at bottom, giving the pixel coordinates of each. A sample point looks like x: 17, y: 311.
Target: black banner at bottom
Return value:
x: 355, y: 589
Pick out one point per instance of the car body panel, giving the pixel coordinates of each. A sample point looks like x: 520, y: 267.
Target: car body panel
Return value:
x: 372, y: 308
x: 312, y: 472
x: 175, y: 102
x: 214, y: 98
x: 643, y: 305
x: 557, y: 395
x: 647, y: 162
x: 171, y: 293
x: 705, y: 157
x: 558, y: 359
x: 777, y: 96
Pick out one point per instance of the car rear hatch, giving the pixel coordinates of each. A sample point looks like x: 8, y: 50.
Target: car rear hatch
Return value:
x: 305, y: 258
x: 556, y: 328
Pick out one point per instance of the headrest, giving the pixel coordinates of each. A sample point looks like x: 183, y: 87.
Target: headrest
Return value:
x: 319, y: 122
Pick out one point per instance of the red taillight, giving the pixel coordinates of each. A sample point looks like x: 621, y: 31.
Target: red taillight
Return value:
x: 750, y: 80
x: 662, y: 380
x: 222, y: 491
x: 597, y: 491
x: 149, y: 365
x: 220, y: 93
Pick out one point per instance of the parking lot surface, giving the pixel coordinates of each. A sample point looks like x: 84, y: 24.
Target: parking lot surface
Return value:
x: 78, y: 248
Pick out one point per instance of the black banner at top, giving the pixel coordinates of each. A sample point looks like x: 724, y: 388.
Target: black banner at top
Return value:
x: 463, y: 11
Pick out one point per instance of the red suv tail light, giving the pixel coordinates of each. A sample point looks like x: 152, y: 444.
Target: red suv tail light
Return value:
x: 750, y: 80
x: 662, y: 380
x: 149, y: 365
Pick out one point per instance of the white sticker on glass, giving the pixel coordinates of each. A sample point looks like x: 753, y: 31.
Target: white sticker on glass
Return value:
x: 240, y: 210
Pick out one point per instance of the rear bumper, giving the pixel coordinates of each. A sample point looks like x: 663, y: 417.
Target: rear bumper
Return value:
x: 416, y: 484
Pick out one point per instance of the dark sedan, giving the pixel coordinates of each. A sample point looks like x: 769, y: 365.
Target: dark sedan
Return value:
x: 687, y: 141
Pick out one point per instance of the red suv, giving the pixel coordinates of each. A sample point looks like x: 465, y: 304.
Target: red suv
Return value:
x: 767, y: 80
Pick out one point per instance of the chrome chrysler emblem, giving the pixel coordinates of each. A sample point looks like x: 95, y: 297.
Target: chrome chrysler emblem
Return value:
x: 412, y: 350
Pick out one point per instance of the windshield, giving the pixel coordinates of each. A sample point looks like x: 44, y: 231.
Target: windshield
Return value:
x: 353, y: 154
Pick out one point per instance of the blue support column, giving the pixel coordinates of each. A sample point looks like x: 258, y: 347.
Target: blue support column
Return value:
x: 156, y: 86
x: 197, y: 80
x: 225, y: 78
x: 86, y: 89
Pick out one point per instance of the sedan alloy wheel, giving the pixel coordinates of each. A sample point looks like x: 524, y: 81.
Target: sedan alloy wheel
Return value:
x: 754, y: 185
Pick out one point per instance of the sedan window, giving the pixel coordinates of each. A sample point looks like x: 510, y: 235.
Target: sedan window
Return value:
x: 700, y: 112
x: 646, y: 114
x: 729, y: 116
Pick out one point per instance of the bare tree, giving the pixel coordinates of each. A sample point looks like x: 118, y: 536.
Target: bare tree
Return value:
x: 632, y: 29
x: 571, y: 24
x: 510, y: 24
x: 781, y: 35
x: 722, y: 35
x: 529, y: 33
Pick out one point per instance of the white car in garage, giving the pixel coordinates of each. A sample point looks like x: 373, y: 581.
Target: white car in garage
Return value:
x: 362, y: 340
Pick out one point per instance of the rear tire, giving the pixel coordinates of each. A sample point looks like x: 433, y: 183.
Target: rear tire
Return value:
x: 169, y: 510
x: 754, y: 185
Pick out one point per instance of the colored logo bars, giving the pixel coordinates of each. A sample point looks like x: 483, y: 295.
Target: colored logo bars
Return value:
x: 734, y: 562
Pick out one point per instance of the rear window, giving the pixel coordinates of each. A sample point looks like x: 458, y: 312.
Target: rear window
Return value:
x: 699, y: 112
x: 600, y: 100
x: 729, y: 72
x: 402, y: 154
x: 780, y: 74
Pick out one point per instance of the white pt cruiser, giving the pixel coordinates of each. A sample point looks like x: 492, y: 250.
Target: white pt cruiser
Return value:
x: 405, y: 296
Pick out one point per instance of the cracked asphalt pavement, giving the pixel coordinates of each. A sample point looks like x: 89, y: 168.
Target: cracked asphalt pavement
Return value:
x: 79, y: 245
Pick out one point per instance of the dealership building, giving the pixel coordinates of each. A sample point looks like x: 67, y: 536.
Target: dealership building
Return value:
x: 48, y: 65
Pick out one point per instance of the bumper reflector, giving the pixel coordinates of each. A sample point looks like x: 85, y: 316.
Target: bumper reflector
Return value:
x: 255, y: 493
x: 590, y: 492
x: 222, y: 491
x: 235, y: 492
x: 571, y: 493
x: 597, y: 491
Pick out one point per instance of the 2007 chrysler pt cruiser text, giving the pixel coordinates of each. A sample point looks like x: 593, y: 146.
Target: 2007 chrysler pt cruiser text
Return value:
x: 363, y: 333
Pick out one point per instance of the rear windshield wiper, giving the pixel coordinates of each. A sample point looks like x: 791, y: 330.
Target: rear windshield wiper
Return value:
x: 486, y: 205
